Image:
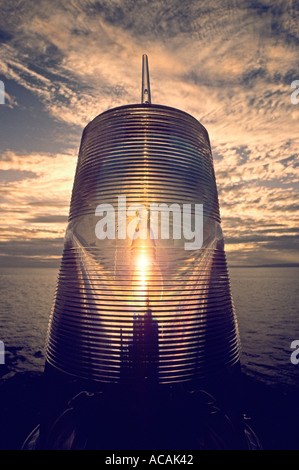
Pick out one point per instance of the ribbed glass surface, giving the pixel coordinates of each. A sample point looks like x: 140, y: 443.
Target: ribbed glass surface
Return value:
x: 147, y: 309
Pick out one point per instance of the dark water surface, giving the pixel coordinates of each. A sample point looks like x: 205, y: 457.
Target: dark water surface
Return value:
x: 266, y: 300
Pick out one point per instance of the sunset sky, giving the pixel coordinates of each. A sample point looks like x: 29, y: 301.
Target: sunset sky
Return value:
x: 228, y: 63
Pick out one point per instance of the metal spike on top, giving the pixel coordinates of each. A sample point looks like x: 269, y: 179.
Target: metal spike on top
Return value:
x: 146, y: 91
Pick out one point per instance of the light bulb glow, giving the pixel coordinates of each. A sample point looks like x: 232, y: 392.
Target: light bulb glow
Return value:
x: 143, y: 271
x: 144, y: 275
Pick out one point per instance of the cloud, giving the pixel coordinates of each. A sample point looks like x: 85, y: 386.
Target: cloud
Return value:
x: 35, y: 205
x: 33, y: 252
x: 196, y: 55
x: 15, y: 175
x: 45, y: 219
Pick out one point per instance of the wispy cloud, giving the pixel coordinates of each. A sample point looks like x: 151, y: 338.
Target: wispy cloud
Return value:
x: 34, y: 207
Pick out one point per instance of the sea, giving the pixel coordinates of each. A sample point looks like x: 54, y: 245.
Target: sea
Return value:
x: 266, y: 302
